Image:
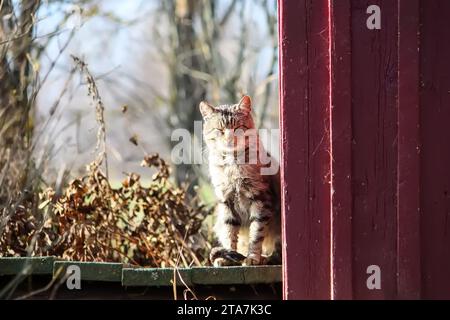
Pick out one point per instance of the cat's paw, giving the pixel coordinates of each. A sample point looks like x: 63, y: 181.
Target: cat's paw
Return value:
x: 219, y: 262
x: 255, y: 260
x: 225, y: 257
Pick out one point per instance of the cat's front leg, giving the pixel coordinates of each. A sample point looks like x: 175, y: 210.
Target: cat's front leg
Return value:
x: 260, y: 216
x: 226, y: 228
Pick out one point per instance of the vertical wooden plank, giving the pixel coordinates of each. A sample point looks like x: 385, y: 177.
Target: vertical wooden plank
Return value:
x: 374, y: 152
x: 318, y: 184
x: 435, y: 149
x: 408, y: 184
x: 318, y: 215
x: 341, y: 138
x: 305, y: 164
x: 293, y: 117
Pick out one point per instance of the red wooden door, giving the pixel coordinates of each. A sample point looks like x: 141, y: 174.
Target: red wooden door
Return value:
x: 365, y: 148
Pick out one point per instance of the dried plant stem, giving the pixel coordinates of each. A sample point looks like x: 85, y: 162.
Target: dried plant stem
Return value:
x: 99, y: 112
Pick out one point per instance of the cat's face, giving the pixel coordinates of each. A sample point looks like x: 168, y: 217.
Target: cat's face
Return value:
x: 225, y: 125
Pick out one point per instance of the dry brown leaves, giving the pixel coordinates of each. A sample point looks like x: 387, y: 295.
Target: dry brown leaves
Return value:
x: 154, y: 226
x: 149, y: 226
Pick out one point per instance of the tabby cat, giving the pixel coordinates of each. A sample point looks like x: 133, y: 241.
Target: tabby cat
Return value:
x: 247, y: 213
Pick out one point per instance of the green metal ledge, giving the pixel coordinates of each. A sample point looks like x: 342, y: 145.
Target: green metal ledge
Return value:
x: 26, y: 265
x: 201, y: 276
x: 150, y: 277
x: 91, y: 271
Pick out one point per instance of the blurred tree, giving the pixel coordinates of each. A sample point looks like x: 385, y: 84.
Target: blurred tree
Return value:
x: 21, y: 50
x: 17, y: 55
x: 185, y: 89
x: 197, y: 67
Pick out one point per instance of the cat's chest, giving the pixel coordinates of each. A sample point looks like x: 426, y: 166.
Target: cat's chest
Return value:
x: 233, y: 181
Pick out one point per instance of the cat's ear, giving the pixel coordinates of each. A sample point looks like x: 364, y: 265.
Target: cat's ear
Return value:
x: 206, y: 109
x: 245, y: 104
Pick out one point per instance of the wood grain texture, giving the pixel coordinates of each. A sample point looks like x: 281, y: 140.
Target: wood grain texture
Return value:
x: 408, y: 184
x: 374, y: 153
x: 305, y: 164
x: 378, y: 102
x: 341, y: 138
x: 435, y: 148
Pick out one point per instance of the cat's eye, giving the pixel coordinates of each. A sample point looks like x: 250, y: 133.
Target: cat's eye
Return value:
x: 216, y: 132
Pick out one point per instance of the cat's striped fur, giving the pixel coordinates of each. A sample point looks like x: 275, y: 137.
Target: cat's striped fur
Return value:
x: 247, y: 213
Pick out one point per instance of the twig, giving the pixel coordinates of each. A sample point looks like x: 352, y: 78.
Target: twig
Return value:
x: 46, y: 288
x: 99, y: 110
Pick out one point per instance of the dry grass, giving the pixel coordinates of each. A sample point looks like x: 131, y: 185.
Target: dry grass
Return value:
x: 156, y: 226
